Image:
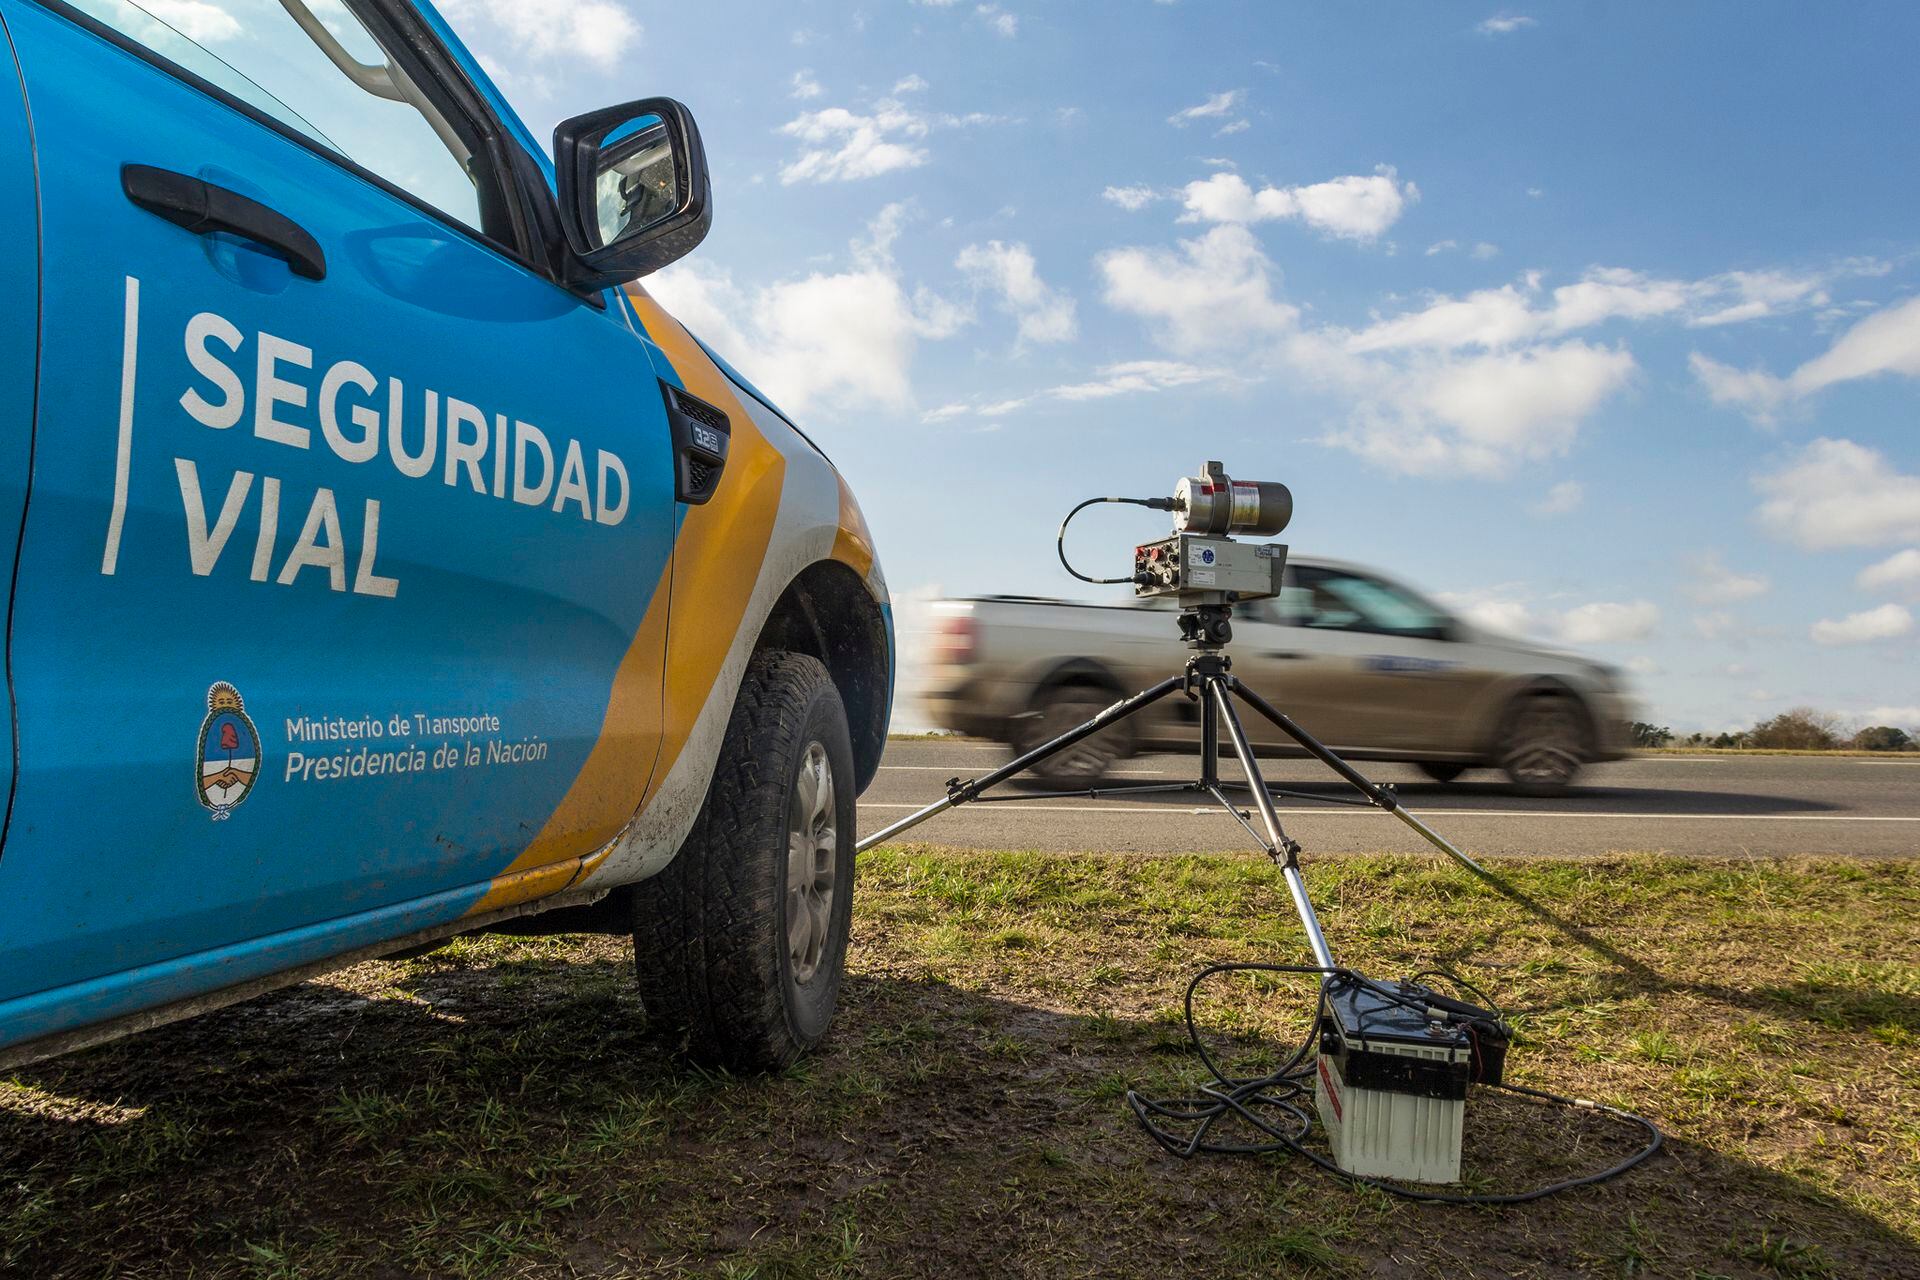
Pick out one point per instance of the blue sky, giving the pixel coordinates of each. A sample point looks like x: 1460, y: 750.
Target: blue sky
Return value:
x: 1600, y: 322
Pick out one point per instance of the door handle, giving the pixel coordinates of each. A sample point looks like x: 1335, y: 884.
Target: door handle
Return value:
x: 203, y: 208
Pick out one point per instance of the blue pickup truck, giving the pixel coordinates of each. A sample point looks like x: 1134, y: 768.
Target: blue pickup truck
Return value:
x: 384, y: 563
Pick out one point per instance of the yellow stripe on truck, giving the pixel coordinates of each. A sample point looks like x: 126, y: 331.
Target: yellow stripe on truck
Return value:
x: 717, y: 556
x: 606, y: 792
x: 722, y: 545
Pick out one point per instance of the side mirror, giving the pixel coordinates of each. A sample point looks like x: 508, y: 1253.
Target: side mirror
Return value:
x: 633, y: 192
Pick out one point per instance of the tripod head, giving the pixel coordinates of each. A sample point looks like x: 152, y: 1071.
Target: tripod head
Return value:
x: 1207, y: 626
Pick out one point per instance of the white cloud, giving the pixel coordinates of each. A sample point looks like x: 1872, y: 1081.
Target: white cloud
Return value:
x: 1609, y: 292
x: 1517, y: 313
x: 805, y: 86
x: 1601, y: 622
x: 1134, y: 377
x: 1412, y: 410
x: 1232, y: 127
x: 1896, y: 716
x: 1755, y: 391
x: 1353, y: 207
x: 1484, y: 252
x: 1043, y: 313
x: 1835, y: 493
x: 1132, y: 199
x: 1526, y: 403
x: 1561, y: 499
x: 831, y: 340
x: 910, y: 84
x: 840, y: 145
x: 1473, y: 384
x: 1607, y: 622
x: 1716, y: 624
x: 1218, y: 104
x: 1898, y: 572
x: 1001, y: 22
x: 1883, y: 623
x: 1505, y: 24
x: 596, y: 31
x: 1442, y: 246
x: 1888, y: 341
x: 1488, y: 318
x: 1215, y: 291
x: 1710, y: 581
x: 1753, y: 295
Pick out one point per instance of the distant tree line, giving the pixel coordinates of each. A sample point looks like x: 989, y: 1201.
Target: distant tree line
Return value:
x: 1800, y: 729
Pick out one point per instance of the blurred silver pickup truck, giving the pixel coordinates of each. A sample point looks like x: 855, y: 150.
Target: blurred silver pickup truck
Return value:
x: 1371, y: 668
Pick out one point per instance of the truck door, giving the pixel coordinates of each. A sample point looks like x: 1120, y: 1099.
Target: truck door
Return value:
x: 1376, y: 669
x: 345, y: 518
x: 20, y: 285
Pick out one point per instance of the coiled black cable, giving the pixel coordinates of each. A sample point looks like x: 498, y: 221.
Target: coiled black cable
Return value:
x: 1256, y: 1099
x: 1060, y: 542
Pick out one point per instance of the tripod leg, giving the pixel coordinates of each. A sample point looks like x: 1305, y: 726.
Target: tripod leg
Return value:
x: 959, y: 792
x: 1282, y: 848
x: 1378, y: 795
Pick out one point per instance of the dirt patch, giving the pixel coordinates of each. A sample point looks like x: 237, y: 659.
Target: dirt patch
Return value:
x: 495, y: 1108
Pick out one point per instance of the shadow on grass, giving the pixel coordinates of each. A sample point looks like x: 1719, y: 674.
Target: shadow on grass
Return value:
x: 487, y: 1113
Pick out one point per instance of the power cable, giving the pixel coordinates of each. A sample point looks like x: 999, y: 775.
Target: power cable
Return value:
x: 1255, y: 1099
x: 1060, y: 542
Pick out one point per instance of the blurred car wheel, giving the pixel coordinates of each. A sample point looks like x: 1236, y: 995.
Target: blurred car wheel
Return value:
x: 1060, y: 709
x: 1544, y: 744
x: 1441, y: 771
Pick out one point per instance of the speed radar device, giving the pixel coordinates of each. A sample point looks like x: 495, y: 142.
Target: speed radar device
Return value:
x: 1199, y: 562
x: 1387, y: 1065
x: 1188, y: 567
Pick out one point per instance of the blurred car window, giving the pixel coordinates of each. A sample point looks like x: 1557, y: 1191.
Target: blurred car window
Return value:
x: 1334, y: 600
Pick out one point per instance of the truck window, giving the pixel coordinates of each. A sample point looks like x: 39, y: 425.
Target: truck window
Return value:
x: 1330, y: 600
x: 323, y: 74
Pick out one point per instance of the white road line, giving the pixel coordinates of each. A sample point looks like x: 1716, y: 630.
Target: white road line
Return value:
x: 1184, y: 812
x: 123, y: 451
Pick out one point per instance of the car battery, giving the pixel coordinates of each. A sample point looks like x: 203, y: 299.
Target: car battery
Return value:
x: 1391, y: 1082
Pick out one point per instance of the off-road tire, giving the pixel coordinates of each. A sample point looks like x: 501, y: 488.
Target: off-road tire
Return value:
x: 710, y: 933
x: 1442, y: 771
x: 1063, y: 707
x: 1544, y: 742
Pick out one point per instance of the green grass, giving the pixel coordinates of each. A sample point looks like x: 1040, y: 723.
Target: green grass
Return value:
x: 495, y: 1108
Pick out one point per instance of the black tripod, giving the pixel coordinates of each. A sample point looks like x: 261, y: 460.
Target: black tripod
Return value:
x: 1208, y: 679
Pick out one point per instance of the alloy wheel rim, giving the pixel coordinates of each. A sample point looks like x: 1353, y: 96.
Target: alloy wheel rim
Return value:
x: 813, y: 843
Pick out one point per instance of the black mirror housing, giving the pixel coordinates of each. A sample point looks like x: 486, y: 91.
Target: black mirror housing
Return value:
x: 580, y: 161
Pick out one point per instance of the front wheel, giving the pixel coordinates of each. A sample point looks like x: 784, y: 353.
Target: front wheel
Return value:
x: 1544, y: 744
x: 739, y: 944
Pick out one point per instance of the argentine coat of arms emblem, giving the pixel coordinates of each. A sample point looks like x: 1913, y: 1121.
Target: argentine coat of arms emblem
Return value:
x: 228, y: 759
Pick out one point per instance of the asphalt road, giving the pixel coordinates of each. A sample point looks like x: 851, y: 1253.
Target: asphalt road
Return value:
x: 1728, y: 806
